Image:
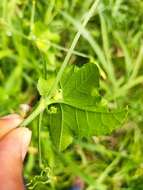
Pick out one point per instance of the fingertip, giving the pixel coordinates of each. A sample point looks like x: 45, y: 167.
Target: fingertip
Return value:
x: 15, y: 144
x: 8, y: 123
x: 20, y: 139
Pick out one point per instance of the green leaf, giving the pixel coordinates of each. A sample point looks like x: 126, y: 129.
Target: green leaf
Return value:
x: 80, y: 86
x: 44, y: 85
x: 59, y: 132
x: 80, y: 113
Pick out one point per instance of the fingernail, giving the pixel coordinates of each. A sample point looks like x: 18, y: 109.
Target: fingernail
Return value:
x: 26, y: 137
x: 10, y: 121
x: 11, y: 116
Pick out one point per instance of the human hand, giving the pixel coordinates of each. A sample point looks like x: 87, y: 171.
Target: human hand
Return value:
x: 13, y: 147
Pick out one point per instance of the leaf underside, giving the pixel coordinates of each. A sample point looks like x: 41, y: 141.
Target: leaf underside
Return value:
x: 80, y: 113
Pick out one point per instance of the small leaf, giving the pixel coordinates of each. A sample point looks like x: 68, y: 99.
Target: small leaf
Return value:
x: 44, y: 86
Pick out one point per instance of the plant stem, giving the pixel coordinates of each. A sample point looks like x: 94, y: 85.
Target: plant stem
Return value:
x: 45, y: 101
x: 128, y: 60
x: 32, y: 18
x: 108, y: 169
x: 73, y: 45
x: 137, y: 64
x: 106, y: 48
x: 61, y: 48
x: 42, y: 105
x: 39, y: 139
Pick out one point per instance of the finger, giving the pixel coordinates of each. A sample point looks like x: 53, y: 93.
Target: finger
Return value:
x: 8, y: 123
x: 13, y: 148
x: 15, y: 143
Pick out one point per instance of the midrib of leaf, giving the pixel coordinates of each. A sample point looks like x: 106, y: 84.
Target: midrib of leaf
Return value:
x: 92, y: 109
x: 86, y: 113
x: 89, y: 110
x: 77, y: 120
x: 101, y: 118
x: 61, y: 133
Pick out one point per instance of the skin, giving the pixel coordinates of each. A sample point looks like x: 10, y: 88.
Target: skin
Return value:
x: 13, y: 148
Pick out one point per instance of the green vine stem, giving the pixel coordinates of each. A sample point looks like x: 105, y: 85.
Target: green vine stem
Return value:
x: 39, y: 139
x: 44, y: 102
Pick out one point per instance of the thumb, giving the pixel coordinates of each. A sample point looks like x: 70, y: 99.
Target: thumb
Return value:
x: 13, y: 148
x: 9, y: 122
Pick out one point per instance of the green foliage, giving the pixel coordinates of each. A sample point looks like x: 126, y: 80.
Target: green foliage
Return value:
x: 81, y: 113
x: 35, y: 38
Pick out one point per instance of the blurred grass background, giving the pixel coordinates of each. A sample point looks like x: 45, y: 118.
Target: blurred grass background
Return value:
x: 36, y: 34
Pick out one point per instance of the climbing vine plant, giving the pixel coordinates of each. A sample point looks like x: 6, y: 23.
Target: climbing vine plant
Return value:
x: 75, y: 108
